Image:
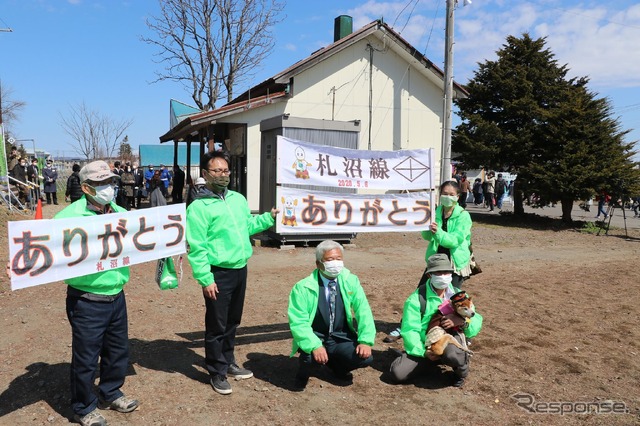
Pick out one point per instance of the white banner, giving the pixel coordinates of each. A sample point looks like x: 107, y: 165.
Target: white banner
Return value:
x: 303, y: 163
x: 44, y: 251
x: 307, y: 211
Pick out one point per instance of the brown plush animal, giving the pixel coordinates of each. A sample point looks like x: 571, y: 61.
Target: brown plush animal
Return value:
x: 437, y: 337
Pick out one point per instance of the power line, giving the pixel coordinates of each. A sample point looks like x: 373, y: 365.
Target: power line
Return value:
x: 433, y: 23
x: 5, y: 30
x: 628, y: 108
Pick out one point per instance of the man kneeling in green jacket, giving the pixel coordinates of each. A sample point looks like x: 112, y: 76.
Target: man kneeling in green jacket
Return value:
x: 321, y: 317
x: 416, y: 317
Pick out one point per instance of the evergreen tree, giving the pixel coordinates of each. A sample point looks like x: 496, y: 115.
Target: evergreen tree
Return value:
x: 524, y: 116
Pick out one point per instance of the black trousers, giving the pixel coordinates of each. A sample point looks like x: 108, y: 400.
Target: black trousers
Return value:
x: 222, y: 318
x: 51, y: 195
x: 342, y: 357
x: 99, y: 331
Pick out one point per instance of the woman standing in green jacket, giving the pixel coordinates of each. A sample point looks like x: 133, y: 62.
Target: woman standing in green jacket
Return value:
x: 449, y: 233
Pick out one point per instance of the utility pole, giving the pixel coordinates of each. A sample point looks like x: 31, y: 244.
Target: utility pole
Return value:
x: 445, y: 163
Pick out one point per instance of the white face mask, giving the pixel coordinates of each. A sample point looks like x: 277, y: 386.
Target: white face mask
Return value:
x: 448, y: 200
x: 333, y: 268
x: 441, y: 281
x: 104, y: 194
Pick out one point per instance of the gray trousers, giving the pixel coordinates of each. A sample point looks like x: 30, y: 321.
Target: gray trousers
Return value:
x: 407, y: 366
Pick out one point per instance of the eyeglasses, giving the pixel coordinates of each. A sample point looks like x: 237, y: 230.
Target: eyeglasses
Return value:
x: 220, y: 171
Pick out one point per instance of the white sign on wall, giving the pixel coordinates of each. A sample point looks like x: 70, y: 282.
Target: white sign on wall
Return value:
x: 304, y: 163
x: 309, y: 211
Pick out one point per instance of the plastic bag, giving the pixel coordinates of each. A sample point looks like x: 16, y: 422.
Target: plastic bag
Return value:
x: 166, y: 276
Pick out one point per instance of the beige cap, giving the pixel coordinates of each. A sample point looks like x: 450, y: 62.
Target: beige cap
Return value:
x: 96, y: 171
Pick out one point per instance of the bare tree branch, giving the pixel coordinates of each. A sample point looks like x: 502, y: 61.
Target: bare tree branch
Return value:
x: 9, y: 108
x: 211, y: 46
x: 95, y: 135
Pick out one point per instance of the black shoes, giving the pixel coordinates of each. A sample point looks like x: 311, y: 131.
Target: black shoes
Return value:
x: 221, y: 385
x: 458, y: 382
x: 302, y: 378
x: 238, y: 372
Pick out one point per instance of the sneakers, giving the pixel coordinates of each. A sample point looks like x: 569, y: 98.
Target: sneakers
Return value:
x: 238, y: 373
x: 93, y: 418
x: 221, y: 385
x: 458, y: 382
x: 121, y: 405
x: 393, y: 337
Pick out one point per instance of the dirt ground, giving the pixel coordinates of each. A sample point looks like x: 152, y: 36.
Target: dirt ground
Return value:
x: 560, y: 324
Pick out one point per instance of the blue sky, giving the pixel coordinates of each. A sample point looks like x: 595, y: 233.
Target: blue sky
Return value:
x: 65, y: 52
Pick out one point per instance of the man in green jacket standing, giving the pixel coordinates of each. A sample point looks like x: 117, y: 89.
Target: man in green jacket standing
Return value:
x: 97, y: 312
x: 219, y: 224
x: 415, y: 319
x: 321, y: 317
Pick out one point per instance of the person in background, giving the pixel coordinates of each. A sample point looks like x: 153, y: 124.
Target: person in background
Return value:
x: 603, y: 200
x: 33, y: 174
x: 165, y: 175
x: 198, y: 186
x: 50, y: 176
x: 477, y: 192
x: 178, y: 185
x: 74, y: 189
x: 13, y: 160
x: 156, y: 187
x: 97, y: 313
x: 148, y: 175
x: 465, y: 188
x: 219, y: 224
x: 116, y: 168
x: 138, y: 175
x: 127, y: 186
x: 322, y: 309
x: 20, y: 173
x: 489, y: 193
x: 501, y: 190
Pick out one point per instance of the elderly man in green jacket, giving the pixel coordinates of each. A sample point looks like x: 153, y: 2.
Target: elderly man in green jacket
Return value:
x: 97, y: 313
x: 416, y: 317
x: 321, y: 317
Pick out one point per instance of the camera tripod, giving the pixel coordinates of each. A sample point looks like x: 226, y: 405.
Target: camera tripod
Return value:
x: 610, y: 209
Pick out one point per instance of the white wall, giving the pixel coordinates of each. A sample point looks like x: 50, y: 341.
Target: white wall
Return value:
x: 406, y: 114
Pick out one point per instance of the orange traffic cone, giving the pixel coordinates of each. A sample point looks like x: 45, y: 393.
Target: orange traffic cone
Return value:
x: 39, y: 210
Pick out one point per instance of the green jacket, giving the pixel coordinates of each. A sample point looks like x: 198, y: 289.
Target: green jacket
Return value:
x: 457, y: 239
x: 414, y: 325
x: 218, y: 231
x: 109, y: 282
x: 303, y: 304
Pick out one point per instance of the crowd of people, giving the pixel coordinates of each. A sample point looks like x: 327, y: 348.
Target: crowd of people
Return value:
x: 489, y: 193
x: 133, y: 183
x: 153, y: 184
